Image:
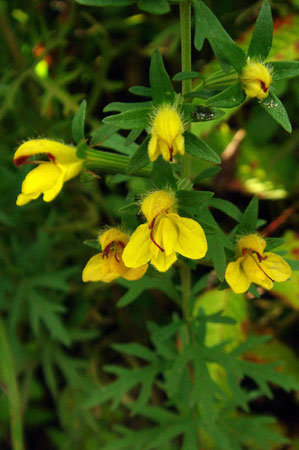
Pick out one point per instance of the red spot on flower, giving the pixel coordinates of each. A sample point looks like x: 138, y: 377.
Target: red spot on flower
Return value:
x: 151, y: 227
x: 171, y: 154
x: 264, y: 87
x: 21, y: 160
x: 51, y: 157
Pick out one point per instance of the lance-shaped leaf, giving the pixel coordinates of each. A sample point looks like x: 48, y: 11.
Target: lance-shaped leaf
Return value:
x: 136, y: 118
x: 162, y: 90
x: 193, y: 198
x: 142, y: 91
x: 229, y: 98
x: 284, y: 69
x: 200, y: 149
x: 163, y: 175
x: 225, y: 49
x: 200, y: 113
x: 248, y: 222
x: 156, y: 7
x: 275, y: 108
x: 186, y: 76
x: 78, y: 123
x: 122, y: 106
x: 133, y: 135
x: 140, y: 158
x: 261, y: 41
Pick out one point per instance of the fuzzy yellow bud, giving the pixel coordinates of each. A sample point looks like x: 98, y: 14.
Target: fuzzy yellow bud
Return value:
x: 166, y: 134
x: 256, y: 80
x: 108, y: 265
x: 254, y: 265
x: 156, y: 203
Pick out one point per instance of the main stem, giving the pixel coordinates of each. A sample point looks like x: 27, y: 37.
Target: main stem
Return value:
x: 185, y: 19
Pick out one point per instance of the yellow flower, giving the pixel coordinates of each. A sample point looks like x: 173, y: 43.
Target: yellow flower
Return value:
x: 164, y: 235
x: 166, y: 134
x: 256, y: 80
x: 255, y: 266
x: 48, y: 177
x: 108, y: 265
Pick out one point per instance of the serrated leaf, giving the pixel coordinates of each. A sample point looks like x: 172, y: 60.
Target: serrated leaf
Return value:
x: 102, y: 134
x: 200, y: 113
x: 129, y: 119
x: 161, y: 87
x: 275, y: 108
x: 156, y: 7
x: 186, y: 76
x: 261, y: 41
x: 198, y: 148
x: 142, y: 91
x: 229, y: 98
x: 284, y: 69
x: 140, y: 158
x: 78, y: 123
x: 123, y: 107
x: 163, y: 175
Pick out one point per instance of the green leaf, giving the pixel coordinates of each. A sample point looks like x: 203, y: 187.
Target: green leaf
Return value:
x: 207, y: 173
x: 133, y: 135
x: 161, y: 86
x: 142, y: 91
x: 123, y: 107
x: 129, y: 119
x: 200, y: 113
x: 186, y: 76
x: 163, y: 175
x: 227, y: 207
x: 135, y: 349
x: 201, y: 31
x: 200, y: 149
x: 284, y: 69
x: 275, y: 108
x: 93, y: 243
x: 261, y: 41
x: 248, y: 222
x: 217, y: 253
x: 225, y: 49
x: 78, y: 123
x: 140, y: 158
x: 130, y: 209
x: 273, y: 243
x: 156, y: 7
x: 229, y: 98
x: 102, y: 134
x: 106, y: 2
x: 193, y: 198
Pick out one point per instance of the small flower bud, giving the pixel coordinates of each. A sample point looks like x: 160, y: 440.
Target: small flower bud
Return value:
x: 256, y: 80
x: 156, y: 203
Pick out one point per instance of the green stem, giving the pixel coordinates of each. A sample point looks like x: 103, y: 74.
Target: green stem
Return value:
x: 185, y: 19
x: 9, y: 378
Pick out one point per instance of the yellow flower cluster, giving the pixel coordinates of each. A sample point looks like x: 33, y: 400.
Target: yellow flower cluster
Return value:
x: 254, y: 265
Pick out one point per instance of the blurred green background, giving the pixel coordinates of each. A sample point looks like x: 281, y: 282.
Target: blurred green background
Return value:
x: 55, y: 53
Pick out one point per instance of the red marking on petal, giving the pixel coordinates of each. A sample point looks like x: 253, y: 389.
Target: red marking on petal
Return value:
x: 264, y: 87
x: 51, y: 157
x: 151, y: 227
x: 21, y: 160
x: 171, y: 154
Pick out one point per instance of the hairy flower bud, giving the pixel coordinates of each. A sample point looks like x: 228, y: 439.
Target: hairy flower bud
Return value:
x: 256, y: 80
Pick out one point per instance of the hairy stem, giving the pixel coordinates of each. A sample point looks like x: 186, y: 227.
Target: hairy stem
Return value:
x: 8, y: 377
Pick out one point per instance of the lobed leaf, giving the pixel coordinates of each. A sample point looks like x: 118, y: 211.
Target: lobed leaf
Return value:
x: 261, y: 41
x: 161, y: 87
x: 136, y: 118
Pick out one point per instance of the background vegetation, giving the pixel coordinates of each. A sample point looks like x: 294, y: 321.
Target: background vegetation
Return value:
x: 56, y: 333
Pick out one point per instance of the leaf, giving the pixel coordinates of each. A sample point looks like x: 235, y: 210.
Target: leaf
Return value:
x: 133, y: 135
x: 140, y: 158
x: 163, y: 175
x: 273, y: 243
x: 186, y: 76
x: 275, y: 108
x: 156, y: 7
x: 248, y: 222
x: 200, y: 28
x: 193, y: 198
x: 131, y: 208
x: 229, y: 98
x: 78, y: 123
x: 106, y: 2
x: 227, y: 207
x: 129, y: 119
x: 198, y: 148
x: 136, y: 349
x: 284, y: 69
x: 102, y: 134
x: 93, y: 243
x: 123, y: 107
x: 161, y: 87
x: 216, y: 251
x: 200, y: 113
x: 207, y: 173
x: 225, y: 49
x: 261, y: 41
x: 142, y: 91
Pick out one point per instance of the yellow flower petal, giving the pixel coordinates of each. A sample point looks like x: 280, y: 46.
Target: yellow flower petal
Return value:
x: 179, y: 145
x: 252, y: 242
x: 137, y: 251
x: 23, y: 199
x: 166, y: 234
x: 99, y: 269
x: 63, y: 153
x: 162, y: 262
x: 112, y: 235
x: 236, y: 277
x: 253, y: 270
x: 256, y: 80
x: 135, y: 274
x: 153, y: 151
x: 276, y: 267
x: 41, y: 179
x: 191, y: 241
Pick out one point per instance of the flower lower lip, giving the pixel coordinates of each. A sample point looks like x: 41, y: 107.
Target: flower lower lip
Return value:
x: 151, y: 227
